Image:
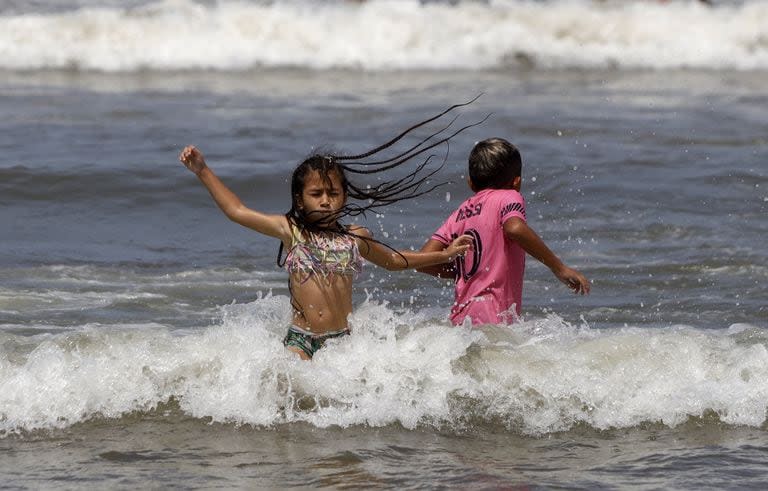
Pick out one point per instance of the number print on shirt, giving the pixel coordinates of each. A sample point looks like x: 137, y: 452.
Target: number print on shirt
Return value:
x: 477, y: 255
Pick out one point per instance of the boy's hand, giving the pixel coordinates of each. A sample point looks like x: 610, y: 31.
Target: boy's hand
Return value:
x: 458, y: 247
x: 193, y: 159
x: 574, y: 280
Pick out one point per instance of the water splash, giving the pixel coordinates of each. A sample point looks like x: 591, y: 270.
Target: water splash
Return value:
x: 399, y: 367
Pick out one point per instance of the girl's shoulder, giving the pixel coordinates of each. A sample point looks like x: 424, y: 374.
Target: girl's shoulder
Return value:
x: 359, y: 231
x: 295, y: 231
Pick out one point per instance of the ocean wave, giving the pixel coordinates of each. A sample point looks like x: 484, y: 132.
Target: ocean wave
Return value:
x: 58, y: 290
x: 399, y: 367
x: 389, y: 35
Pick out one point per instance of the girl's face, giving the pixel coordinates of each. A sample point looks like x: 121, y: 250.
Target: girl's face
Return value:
x: 322, y: 198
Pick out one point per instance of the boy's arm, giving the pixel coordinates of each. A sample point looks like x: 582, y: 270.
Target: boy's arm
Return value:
x: 229, y: 203
x: 447, y: 270
x: 381, y: 255
x: 519, y: 231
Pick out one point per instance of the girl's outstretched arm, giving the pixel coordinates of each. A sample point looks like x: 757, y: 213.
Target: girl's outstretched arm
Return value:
x: 229, y: 203
x: 381, y: 255
x: 447, y: 270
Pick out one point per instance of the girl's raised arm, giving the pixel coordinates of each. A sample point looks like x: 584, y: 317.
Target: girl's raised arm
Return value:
x: 229, y: 203
x: 381, y: 255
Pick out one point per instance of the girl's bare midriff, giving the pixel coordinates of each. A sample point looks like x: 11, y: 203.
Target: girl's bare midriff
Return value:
x: 322, y: 303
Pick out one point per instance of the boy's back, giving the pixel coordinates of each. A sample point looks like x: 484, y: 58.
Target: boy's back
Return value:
x: 489, y: 279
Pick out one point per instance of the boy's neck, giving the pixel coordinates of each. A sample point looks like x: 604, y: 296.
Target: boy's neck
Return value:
x: 515, y: 184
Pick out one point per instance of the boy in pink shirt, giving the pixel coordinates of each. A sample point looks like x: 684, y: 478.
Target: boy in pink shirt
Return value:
x: 489, y: 278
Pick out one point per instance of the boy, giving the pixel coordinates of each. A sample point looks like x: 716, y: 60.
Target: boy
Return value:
x: 489, y: 278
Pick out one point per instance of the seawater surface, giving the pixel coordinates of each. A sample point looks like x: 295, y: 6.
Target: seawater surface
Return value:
x: 140, y: 331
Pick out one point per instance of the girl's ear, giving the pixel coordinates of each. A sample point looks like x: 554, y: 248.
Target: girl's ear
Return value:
x: 516, y: 182
x: 299, y: 202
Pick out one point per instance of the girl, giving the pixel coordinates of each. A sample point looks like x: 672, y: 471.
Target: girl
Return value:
x: 323, y: 256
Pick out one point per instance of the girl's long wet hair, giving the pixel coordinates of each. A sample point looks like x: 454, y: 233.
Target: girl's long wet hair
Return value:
x: 384, y: 193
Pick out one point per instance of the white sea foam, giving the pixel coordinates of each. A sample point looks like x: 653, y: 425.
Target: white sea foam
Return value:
x: 399, y: 366
x: 388, y: 34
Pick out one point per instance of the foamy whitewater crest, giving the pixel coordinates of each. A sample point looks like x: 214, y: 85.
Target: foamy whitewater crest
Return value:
x: 390, y: 34
x: 398, y: 367
x: 618, y: 378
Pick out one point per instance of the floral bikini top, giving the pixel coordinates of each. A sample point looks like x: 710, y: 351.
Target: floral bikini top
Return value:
x: 323, y: 253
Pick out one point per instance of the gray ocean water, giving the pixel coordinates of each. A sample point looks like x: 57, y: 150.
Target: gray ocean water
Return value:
x: 140, y: 330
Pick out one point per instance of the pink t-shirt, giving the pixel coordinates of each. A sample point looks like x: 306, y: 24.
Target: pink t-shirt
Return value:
x: 489, y: 279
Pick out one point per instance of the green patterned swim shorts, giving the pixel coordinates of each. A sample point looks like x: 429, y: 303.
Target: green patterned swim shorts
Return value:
x: 307, y: 342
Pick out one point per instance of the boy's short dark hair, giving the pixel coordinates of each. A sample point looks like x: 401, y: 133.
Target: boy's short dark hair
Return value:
x: 493, y: 163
